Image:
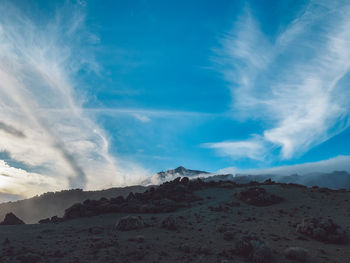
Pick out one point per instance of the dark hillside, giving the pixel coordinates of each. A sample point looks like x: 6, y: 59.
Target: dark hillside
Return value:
x: 54, y: 203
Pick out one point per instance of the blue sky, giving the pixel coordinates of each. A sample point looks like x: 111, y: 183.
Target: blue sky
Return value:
x: 129, y: 88
x: 166, y: 59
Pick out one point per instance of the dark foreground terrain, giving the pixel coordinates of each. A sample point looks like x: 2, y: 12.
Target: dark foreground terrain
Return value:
x: 193, y: 221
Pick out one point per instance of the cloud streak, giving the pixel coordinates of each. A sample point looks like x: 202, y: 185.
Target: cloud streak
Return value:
x: 11, y: 130
x: 39, y: 61
x: 339, y: 163
x: 294, y: 83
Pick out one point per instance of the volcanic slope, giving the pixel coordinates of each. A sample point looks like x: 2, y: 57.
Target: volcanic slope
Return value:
x: 204, y: 222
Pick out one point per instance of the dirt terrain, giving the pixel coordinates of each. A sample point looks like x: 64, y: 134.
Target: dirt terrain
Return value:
x: 205, y: 222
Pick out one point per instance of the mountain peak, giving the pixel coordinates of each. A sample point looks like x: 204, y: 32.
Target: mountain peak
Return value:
x: 180, y: 169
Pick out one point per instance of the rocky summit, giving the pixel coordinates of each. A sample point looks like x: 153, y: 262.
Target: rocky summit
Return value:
x: 195, y: 220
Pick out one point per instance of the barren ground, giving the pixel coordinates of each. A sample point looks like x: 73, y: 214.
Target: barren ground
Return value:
x: 200, y: 234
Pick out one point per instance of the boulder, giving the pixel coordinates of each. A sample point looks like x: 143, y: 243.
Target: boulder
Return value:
x: 95, y: 230
x: 80, y: 210
x: 128, y: 223
x: 44, y: 221
x: 253, y: 248
x: 138, y: 239
x: 170, y: 223
x: 131, y: 197
x: 117, y: 200
x: 184, y: 180
x: 56, y: 219
x: 296, y: 253
x: 229, y: 235
x: 11, y: 219
x: 258, y: 196
x: 324, y: 230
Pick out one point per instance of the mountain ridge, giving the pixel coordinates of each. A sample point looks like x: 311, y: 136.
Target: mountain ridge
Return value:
x: 31, y: 210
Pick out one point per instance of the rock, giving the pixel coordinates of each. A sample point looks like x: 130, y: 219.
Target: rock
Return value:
x: 131, y: 197
x: 56, y: 219
x: 6, y: 241
x: 95, y: 230
x: 176, y: 180
x: 117, y: 200
x: 44, y: 221
x: 29, y: 258
x: 76, y: 211
x: 258, y: 196
x: 324, y: 230
x: 268, y: 181
x: 184, y: 180
x: 296, y: 253
x: 138, y: 239
x: 221, y: 228
x: 130, y: 223
x: 91, y: 203
x: 11, y: 219
x: 253, y: 248
x: 169, y: 223
x: 185, y: 248
x: 219, y: 208
x: 229, y: 235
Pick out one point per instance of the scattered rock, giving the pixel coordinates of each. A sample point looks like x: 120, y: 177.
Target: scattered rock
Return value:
x: 95, y: 230
x: 76, y: 211
x: 221, y: 228
x: 131, y: 197
x: 56, y: 219
x: 11, y: 219
x: 130, y: 223
x: 6, y: 241
x: 253, y: 248
x: 324, y: 230
x: 45, y: 221
x: 258, y: 196
x: 29, y: 258
x: 296, y: 253
x: 185, y: 180
x: 219, y: 208
x: 138, y: 239
x: 170, y: 223
x: 229, y: 235
x: 185, y: 248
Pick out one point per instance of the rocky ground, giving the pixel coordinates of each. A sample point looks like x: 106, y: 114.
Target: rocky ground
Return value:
x: 192, y: 221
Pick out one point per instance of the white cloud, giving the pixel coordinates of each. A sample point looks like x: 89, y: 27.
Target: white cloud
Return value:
x: 38, y: 64
x: 294, y: 83
x: 16, y: 181
x: 253, y: 149
x: 142, y: 118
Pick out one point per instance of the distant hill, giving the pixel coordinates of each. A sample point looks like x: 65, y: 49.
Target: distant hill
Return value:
x: 334, y: 180
x: 54, y: 203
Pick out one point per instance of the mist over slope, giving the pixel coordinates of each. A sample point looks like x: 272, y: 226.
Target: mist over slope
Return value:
x: 332, y: 180
x: 168, y: 175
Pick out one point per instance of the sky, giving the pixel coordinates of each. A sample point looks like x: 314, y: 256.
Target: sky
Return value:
x: 99, y: 94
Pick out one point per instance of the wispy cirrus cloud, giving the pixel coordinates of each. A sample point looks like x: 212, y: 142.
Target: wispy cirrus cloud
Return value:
x: 253, y: 148
x: 295, y: 82
x: 42, y: 120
